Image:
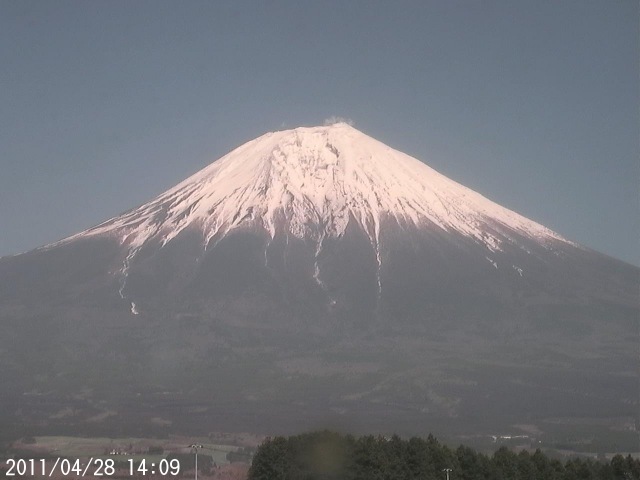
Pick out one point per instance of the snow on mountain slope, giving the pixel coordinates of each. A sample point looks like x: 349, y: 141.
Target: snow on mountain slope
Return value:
x: 313, y: 180
x: 442, y: 302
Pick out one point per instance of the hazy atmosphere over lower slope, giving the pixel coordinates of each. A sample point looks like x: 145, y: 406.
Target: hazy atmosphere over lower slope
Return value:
x: 316, y: 277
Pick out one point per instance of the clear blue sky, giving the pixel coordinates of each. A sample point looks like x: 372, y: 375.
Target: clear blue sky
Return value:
x: 104, y: 104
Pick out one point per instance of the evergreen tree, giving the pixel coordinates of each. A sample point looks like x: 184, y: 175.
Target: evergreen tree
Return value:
x: 272, y: 460
x: 331, y: 456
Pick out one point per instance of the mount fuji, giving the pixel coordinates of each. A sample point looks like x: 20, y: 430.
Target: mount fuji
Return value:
x: 317, y: 277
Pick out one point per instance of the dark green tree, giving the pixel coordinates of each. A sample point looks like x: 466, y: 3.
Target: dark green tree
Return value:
x: 272, y: 460
x: 331, y: 456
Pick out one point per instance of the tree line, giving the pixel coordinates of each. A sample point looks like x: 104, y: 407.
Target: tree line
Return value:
x: 332, y: 456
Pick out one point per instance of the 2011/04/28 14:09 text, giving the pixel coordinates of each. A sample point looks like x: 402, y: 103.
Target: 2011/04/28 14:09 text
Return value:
x: 95, y: 467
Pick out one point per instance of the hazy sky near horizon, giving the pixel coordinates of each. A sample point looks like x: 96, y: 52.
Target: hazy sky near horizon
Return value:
x: 534, y: 104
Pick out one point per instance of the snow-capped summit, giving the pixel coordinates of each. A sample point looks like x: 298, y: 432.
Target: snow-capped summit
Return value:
x: 311, y: 182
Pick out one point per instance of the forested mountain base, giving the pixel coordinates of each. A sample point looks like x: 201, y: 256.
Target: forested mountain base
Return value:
x: 331, y: 456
